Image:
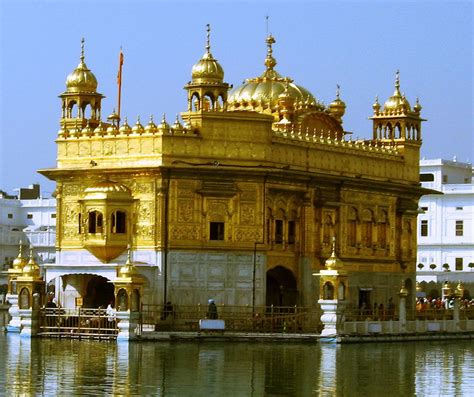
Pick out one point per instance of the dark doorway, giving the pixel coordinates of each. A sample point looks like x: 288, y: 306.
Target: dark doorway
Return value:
x: 281, y: 287
x: 364, y: 299
x: 100, y: 292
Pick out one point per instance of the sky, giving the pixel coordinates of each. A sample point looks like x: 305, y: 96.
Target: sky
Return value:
x: 356, y: 44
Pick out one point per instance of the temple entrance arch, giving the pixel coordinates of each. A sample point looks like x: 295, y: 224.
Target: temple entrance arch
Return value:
x: 282, y: 289
x: 99, y: 292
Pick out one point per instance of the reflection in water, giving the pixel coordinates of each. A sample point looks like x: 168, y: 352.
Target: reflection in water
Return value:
x: 61, y: 367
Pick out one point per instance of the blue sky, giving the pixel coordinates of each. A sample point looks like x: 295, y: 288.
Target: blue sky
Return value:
x: 358, y: 45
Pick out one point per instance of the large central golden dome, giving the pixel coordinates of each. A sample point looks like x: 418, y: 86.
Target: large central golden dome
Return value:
x: 264, y: 91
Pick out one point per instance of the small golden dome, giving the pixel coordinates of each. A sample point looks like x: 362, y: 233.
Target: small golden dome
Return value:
x: 31, y: 269
x: 87, y: 130
x: 164, y: 126
x: 100, y: 129
x: 397, y: 101
x: 264, y: 92
x: 177, y: 126
x: 207, y: 69
x: 112, y: 129
x: 333, y: 262
x: 107, y: 190
x: 128, y: 269
x: 376, y: 105
x: 151, y: 126
x: 417, y: 108
x: 138, y: 128
x: 125, y: 128
x: 337, y: 107
x: 81, y: 79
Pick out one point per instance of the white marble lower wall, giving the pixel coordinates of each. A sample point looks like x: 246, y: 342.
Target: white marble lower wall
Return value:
x: 417, y: 326
x: 226, y: 277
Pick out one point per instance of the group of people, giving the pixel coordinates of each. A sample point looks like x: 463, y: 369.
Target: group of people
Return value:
x: 378, y: 311
x: 424, y: 304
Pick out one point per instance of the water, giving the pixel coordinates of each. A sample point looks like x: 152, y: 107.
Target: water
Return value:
x: 69, y: 367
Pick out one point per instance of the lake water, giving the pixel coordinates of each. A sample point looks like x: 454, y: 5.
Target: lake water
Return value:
x: 52, y: 367
x: 66, y: 367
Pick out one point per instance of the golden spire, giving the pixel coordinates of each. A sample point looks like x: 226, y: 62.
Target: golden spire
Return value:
x: 82, y: 50
x: 128, y: 269
x: 208, y: 40
x: 270, y: 62
x: 19, y: 261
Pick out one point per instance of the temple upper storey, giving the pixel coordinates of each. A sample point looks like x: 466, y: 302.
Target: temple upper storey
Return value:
x: 269, y: 121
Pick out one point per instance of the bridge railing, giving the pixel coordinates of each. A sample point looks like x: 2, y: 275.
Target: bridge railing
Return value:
x: 265, y: 319
x: 78, y: 322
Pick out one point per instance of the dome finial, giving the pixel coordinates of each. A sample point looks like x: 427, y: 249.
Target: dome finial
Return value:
x: 397, y: 80
x: 338, y: 88
x: 270, y: 62
x: 82, y: 49
x: 208, y: 41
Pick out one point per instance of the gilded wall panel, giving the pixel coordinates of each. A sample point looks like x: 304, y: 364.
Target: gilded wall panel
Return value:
x: 185, y: 210
x: 146, y: 212
x: 247, y: 234
x: 185, y: 232
x: 247, y: 214
x: 145, y: 232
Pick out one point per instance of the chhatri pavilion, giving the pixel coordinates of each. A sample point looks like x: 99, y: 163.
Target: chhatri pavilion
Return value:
x: 239, y: 199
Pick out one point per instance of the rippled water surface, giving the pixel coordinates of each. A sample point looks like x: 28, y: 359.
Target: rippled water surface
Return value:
x: 72, y: 367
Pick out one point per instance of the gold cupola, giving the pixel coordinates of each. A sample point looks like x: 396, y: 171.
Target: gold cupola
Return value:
x: 397, y: 102
x: 207, y: 90
x: 262, y: 93
x: 337, y: 107
x: 81, y: 103
x: 81, y: 79
x: 31, y: 269
x: 396, y: 120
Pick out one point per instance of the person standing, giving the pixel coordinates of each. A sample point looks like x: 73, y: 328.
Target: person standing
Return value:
x: 212, y: 310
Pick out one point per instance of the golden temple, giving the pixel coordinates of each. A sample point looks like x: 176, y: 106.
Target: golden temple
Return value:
x: 237, y: 200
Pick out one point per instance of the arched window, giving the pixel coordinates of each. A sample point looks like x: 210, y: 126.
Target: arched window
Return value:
x: 341, y: 291
x: 24, y: 301
x: 328, y: 291
x: 367, y: 223
x: 328, y: 230
x: 122, y: 300
x: 119, y: 224
x: 352, y: 228
x: 95, y: 222
x: 382, y: 229
x: 194, y: 104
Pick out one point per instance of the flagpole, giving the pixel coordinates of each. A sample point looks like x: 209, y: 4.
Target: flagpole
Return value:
x: 119, y: 83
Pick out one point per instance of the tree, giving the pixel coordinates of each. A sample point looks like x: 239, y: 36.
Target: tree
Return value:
x: 432, y: 266
x: 471, y: 265
x: 446, y: 267
x: 420, y: 266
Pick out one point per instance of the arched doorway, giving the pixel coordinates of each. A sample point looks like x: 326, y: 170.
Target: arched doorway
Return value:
x: 281, y: 287
x: 99, y: 292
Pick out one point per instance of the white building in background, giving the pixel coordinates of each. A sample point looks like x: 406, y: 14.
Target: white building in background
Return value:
x: 446, y: 223
x: 30, y: 218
